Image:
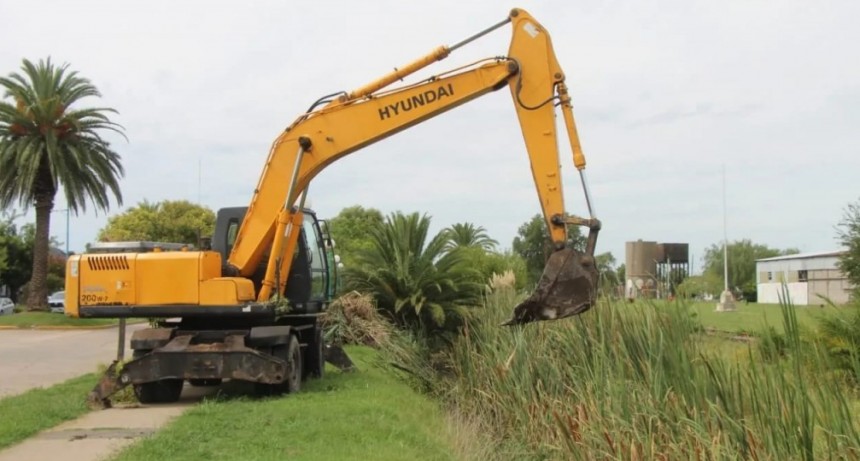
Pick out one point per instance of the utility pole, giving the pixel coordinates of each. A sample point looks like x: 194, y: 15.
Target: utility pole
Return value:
x: 727, y: 301
x: 725, y: 237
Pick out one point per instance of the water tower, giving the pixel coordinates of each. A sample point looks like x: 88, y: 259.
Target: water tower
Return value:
x: 654, y: 270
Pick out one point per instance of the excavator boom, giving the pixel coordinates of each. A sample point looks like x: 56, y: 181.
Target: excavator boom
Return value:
x: 366, y: 115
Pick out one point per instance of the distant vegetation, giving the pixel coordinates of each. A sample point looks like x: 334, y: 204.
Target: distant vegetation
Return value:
x: 176, y: 221
x: 848, y: 234
x: 16, y: 266
x: 742, y: 255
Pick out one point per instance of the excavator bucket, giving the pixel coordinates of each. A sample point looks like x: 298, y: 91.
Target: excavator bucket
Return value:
x: 567, y: 287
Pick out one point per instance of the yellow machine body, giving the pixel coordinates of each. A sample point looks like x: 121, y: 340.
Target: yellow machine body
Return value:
x: 161, y: 278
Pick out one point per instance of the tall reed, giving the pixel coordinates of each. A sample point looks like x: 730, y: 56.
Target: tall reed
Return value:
x: 636, y: 382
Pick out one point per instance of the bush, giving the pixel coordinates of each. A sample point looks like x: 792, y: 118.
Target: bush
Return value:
x: 840, y: 335
x: 771, y: 345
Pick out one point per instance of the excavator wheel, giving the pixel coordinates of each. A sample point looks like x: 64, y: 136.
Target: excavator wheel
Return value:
x: 293, y: 382
x: 315, y: 356
x: 292, y: 354
x: 567, y: 287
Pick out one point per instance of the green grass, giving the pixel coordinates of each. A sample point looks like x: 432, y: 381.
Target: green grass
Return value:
x: 365, y: 415
x: 24, y: 415
x: 754, y: 318
x: 39, y: 319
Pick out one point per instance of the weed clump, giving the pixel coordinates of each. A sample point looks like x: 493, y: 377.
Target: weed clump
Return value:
x: 354, y: 319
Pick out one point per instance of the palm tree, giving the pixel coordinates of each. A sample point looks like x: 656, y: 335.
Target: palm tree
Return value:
x: 467, y: 235
x: 45, y: 146
x: 419, y: 284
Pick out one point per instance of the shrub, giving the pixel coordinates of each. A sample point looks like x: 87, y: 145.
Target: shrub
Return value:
x: 840, y: 335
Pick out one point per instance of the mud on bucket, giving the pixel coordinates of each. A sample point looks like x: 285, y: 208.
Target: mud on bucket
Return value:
x: 567, y: 287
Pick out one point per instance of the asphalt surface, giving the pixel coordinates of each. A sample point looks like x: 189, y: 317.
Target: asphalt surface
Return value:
x: 42, y: 358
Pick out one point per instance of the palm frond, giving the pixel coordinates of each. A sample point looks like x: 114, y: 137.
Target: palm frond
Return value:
x: 416, y: 279
x: 46, y: 143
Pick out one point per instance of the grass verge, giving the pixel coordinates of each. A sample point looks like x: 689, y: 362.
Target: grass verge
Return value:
x: 48, y: 319
x: 755, y: 318
x: 24, y: 415
x: 365, y: 415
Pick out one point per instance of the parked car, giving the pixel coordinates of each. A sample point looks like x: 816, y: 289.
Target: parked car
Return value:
x: 57, y: 302
x: 6, y: 306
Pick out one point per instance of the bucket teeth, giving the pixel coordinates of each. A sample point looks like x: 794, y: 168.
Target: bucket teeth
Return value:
x: 567, y: 287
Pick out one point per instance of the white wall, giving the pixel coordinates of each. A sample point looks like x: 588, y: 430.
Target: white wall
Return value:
x: 769, y: 293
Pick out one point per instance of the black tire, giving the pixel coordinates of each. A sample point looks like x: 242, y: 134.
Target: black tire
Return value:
x: 315, y: 356
x: 205, y: 382
x: 292, y: 354
x: 294, y: 374
x: 164, y: 391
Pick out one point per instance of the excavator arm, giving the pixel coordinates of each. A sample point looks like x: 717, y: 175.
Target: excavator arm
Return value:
x: 350, y: 121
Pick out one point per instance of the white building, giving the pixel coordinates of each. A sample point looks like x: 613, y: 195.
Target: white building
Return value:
x: 809, y: 279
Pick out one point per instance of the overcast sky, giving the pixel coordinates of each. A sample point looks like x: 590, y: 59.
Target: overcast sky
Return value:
x: 665, y: 93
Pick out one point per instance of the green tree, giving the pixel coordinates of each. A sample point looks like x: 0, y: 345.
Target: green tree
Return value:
x: 848, y: 234
x: 742, y: 257
x: 176, y: 221
x: 18, y: 250
x: 7, y: 228
x: 46, y: 145
x: 468, y: 235
x: 699, y: 285
x: 416, y: 282
x: 605, y: 263
x: 17, y: 243
x: 351, y: 231
x: 533, y: 244
x: 488, y: 263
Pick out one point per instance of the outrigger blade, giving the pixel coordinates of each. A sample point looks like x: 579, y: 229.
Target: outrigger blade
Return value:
x: 567, y: 287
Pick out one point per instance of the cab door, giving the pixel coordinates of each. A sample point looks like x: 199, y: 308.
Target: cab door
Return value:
x: 317, y: 259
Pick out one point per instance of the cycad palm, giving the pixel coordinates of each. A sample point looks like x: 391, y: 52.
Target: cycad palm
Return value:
x: 467, y: 235
x: 45, y: 146
x: 417, y: 283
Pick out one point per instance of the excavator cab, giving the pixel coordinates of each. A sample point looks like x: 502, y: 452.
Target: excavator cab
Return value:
x: 310, y: 283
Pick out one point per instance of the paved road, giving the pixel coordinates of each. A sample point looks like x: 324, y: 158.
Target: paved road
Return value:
x: 41, y: 358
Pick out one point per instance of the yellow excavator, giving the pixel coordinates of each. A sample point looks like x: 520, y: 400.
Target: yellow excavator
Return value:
x: 249, y: 301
